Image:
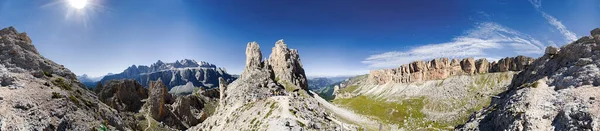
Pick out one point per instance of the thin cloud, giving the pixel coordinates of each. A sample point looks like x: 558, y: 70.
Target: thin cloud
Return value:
x: 485, y: 37
x: 569, y: 36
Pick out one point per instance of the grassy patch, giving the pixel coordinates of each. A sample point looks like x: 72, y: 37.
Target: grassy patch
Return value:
x: 60, y: 82
x: 74, y: 99
x: 288, y: 86
x: 388, y: 112
x: 348, y: 89
x: 271, y: 110
x: 56, y: 95
x: 252, y: 122
x: 47, y: 73
x: 301, y: 124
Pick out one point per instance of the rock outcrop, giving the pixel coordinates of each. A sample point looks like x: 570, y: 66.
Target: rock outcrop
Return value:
x: 253, y: 57
x: 257, y: 100
x: 287, y: 66
x: 558, y: 91
x: 39, y: 94
x: 157, y: 100
x: 511, y: 64
x: 123, y: 95
x: 441, y: 68
x: 180, y: 74
x: 190, y: 110
x: 222, y: 88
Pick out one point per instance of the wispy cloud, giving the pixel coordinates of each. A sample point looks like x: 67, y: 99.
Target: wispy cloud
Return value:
x: 569, y: 36
x: 485, y: 37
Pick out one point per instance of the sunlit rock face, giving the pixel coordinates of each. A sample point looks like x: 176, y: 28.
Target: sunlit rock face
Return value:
x: 287, y: 66
x: 441, y: 68
x: 253, y: 57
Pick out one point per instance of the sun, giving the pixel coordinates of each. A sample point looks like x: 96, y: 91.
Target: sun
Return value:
x: 78, y: 4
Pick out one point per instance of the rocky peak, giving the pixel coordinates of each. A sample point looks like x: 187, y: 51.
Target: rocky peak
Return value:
x: 158, y: 63
x: 595, y: 33
x: 551, y: 50
x: 287, y: 65
x: 253, y: 56
x: 157, y: 98
x: 17, y: 52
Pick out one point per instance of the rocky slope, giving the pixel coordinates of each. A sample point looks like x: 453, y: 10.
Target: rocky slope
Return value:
x: 257, y: 101
x: 185, y: 74
x: 558, y: 91
x: 38, y: 94
x: 441, y: 68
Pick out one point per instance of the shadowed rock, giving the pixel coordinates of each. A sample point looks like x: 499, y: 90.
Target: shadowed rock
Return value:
x: 158, y: 98
x: 123, y: 95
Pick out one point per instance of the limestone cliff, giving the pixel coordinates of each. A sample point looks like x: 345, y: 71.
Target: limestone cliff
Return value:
x: 441, y: 68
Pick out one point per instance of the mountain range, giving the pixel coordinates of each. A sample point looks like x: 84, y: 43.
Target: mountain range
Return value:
x: 557, y: 91
x: 181, y: 76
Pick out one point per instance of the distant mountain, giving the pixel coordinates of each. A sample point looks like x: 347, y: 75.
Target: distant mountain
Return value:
x: 320, y: 82
x: 181, y: 73
x: 90, y: 82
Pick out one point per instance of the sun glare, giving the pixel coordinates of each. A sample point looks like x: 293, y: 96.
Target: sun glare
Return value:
x: 78, y: 4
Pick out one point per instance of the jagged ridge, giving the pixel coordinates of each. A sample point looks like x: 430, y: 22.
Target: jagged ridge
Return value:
x: 175, y: 74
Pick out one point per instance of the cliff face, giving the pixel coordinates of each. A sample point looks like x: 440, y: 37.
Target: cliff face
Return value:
x: 441, y: 68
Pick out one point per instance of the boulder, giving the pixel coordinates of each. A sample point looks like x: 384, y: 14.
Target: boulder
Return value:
x: 551, y: 50
x: 595, y: 33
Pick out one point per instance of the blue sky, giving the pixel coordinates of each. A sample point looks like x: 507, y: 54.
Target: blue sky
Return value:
x: 334, y: 37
